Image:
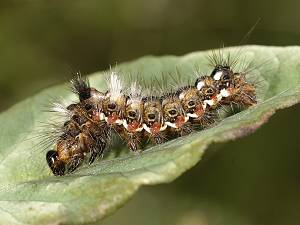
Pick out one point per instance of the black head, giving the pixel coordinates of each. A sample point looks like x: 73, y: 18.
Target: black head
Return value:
x: 57, y: 166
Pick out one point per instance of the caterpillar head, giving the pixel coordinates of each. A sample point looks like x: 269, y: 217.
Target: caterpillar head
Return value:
x: 56, y: 165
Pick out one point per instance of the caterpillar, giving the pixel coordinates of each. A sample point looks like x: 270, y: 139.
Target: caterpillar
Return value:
x: 138, y: 118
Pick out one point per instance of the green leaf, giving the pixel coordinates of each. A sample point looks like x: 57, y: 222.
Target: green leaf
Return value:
x: 30, y: 194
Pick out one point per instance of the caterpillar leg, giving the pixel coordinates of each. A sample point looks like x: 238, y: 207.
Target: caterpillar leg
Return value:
x: 186, y: 129
x: 97, y: 151
x: 133, y: 145
x: 134, y: 142
x: 74, y: 162
x: 158, y: 139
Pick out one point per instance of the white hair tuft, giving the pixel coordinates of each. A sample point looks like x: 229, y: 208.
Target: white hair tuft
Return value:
x: 115, y: 85
x: 135, y: 91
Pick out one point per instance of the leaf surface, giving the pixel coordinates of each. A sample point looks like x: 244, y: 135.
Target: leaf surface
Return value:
x: 30, y: 194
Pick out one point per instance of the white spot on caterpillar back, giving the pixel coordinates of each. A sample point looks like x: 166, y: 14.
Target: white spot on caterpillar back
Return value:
x: 171, y: 124
x: 200, y: 85
x: 192, y: 115
x: 218, y: 75
x: 163, y: 127
x: 181, y: 96
x: 102, y: 116
x: 146, y: 128
x: 210, y: 102
x: 225, y: 93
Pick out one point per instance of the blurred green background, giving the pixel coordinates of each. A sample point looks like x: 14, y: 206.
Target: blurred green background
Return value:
x: 250, y: 181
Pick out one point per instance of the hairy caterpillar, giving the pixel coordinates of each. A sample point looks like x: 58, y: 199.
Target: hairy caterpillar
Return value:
x: 138, y: 118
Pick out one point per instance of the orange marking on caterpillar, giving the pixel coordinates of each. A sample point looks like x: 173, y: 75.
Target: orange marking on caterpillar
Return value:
x: 180, y: 121
x: 155, y: 128
x: 133, y: 126
x: 112, y: 118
